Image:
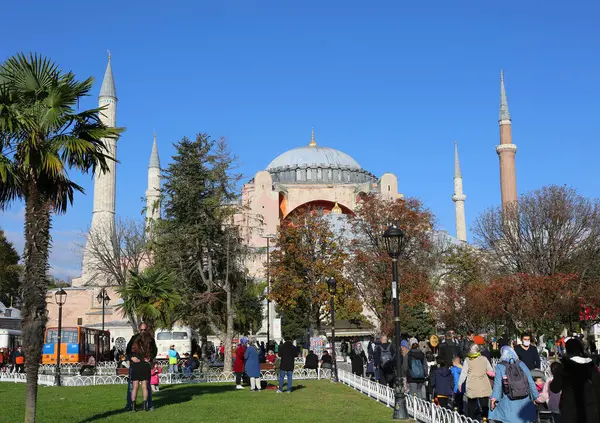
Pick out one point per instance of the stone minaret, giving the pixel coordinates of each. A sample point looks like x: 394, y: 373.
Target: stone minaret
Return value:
x: 153, y: 191
x: 459, y: 199
x: 506, y: 151
x: 103, y: 216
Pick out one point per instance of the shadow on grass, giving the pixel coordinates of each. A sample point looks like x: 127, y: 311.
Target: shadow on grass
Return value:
x: 168, y: 396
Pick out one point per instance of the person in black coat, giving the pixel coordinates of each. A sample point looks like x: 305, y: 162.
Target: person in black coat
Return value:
x: 449, y: 349
x: 579, y: 381
x: 311, y: 361
x: 358, y: 359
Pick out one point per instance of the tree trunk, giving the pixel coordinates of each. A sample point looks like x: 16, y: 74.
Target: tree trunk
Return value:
x: 204, y: 342
x: 227, y: 365
x: 35, y: 286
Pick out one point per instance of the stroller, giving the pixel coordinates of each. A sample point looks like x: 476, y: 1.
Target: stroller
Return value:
x: 544, y: 415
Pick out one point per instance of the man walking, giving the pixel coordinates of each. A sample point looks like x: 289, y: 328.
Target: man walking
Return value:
x: 143, y: 328
x: 287, y: 353
x: 528, y: 354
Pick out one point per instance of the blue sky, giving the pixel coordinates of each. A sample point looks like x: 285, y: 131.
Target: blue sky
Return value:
x: 392, y: 83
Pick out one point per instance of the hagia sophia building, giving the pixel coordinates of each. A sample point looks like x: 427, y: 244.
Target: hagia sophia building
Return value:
x: 311, y: 174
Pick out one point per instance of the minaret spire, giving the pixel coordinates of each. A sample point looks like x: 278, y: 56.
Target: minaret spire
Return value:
x: 459, y: 199
x: 153, y: 191
x: 506, y: 152
x: 504, y: 114
x: 108, y: 83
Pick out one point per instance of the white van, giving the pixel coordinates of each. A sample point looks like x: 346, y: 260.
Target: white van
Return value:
x: 180, y: 336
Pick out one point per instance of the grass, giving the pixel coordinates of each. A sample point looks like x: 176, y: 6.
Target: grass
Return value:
x: 310, y: 401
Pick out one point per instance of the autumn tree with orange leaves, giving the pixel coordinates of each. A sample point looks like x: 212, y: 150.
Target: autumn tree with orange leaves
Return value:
x: 306, y: 254
x: 369, y: 265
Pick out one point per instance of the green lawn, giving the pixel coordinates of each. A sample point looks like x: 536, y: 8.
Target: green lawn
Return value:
x: 310, y: 401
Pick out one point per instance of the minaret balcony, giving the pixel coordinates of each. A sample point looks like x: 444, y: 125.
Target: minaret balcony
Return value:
x: 506, y: 147
x: 456, y: 197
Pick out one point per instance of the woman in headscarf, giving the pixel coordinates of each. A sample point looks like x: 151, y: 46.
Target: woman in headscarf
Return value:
x: 238, y: 364
x: 509, y: 410
x: 253, y: 365
x: 358, y: 359
x: 475, y: 372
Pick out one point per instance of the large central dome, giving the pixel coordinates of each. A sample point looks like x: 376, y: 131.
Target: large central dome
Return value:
x: 314, y: 156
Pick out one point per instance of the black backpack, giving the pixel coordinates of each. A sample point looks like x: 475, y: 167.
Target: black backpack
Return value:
x: 386, y: 356
x: 517, y: 382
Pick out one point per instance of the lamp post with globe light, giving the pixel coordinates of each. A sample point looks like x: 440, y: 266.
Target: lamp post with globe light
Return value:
x: 332, y: 286
x: 394, y: 244
x: 61, y: 298
x: 103, y: 299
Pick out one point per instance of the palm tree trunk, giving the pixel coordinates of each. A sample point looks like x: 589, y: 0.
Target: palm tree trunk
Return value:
x: 35, y: 286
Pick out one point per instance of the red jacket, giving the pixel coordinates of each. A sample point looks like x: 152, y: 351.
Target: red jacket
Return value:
x: 238, y: 365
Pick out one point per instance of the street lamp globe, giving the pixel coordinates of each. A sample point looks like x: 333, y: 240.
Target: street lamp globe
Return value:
x: 100, y: 297
x: 60, y: 297
x: 106, y: 300
x: 394, y: 241
x: 332, y: 285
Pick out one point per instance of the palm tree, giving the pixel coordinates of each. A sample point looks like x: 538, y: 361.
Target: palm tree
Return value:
x: 151, y: 297
x: 42, y: 138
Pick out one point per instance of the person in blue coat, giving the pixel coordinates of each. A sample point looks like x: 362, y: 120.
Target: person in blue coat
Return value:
x: 503, y: 408
x: 252, y: 366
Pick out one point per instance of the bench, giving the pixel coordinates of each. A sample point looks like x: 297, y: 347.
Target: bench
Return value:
x: 123, y: 371
x: 267, y: 366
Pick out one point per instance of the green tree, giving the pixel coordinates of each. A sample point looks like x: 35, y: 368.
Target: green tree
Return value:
x: 42, y: 138
x: 197, y: 240
x: 10, y: 272
x: 151, y: 296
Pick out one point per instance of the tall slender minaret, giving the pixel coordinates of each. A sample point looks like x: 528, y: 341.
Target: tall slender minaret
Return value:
x: 506, y: 152
x: 153, y: 191
x: 459, y: 199
x: 105, y: 184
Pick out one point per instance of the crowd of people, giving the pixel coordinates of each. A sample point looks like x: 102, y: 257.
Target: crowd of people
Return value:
x: 460, y: 373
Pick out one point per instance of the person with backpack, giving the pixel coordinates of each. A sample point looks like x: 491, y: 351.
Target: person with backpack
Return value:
x: 417, y: 371
x: 385, y: 355
x: 475, y: 373
x: 514, y: 390
x: 579, y: 381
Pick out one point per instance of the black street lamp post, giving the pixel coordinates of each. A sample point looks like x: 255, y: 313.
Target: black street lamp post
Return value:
x: 103, y: 299
x: 394, y: 243
x: 61, y: 298
x: 332, y: 285
x: 268, y: 238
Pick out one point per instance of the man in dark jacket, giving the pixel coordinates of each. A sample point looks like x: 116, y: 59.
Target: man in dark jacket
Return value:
x: 143, y: 328
x: 287, y: 353
x: 442, y: 383
x: 385, y: 360
x: 579, y: 381
x: 416, y: 371
x: 311, y: 361
x: 527, y: 353
x: 448, y: 349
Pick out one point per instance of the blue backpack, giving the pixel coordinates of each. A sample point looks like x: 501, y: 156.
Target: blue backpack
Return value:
x: 416, y: 369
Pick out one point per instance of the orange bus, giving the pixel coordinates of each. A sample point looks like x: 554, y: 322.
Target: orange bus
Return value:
x: 77, y: 345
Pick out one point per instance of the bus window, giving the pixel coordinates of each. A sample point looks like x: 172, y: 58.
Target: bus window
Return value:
x: 163, y: 336
x: 69, y: 336
x: 178, y: 336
